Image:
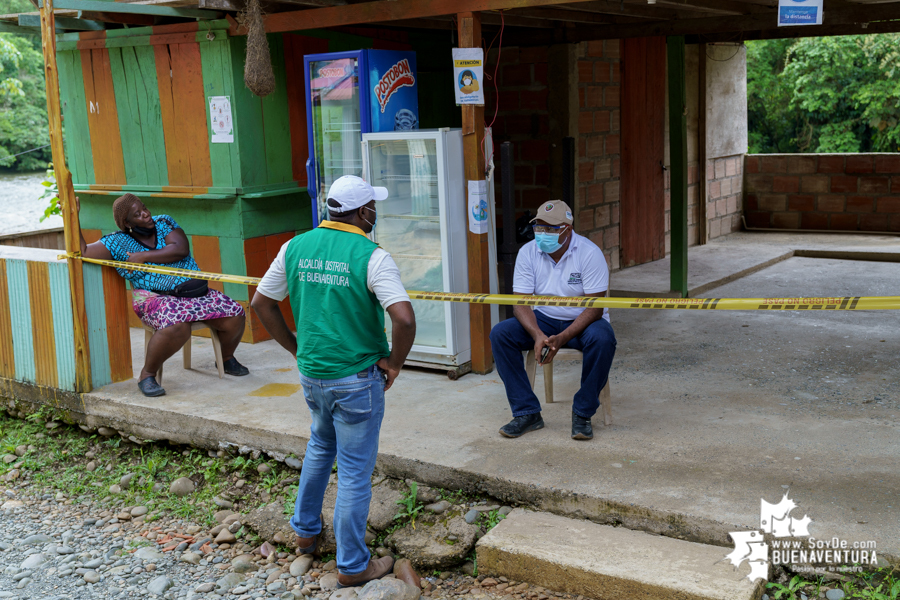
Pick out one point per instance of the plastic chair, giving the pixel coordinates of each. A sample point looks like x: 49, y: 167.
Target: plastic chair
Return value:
x: 186, y: 350
x: 531, y: 370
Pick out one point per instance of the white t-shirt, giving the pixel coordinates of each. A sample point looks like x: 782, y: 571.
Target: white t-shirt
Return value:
x: 581, y: 270
x: 382, y: 279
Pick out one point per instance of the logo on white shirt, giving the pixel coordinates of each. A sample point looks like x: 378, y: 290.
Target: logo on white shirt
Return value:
x: 574, y: 279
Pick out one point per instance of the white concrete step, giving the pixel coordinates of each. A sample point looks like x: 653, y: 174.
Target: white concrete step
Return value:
x: 609, y: 563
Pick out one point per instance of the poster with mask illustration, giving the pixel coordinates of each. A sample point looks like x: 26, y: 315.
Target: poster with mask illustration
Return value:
x: 468, y: 71
x: 478, y: 207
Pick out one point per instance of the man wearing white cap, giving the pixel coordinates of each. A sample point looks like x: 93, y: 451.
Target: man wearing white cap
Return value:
x: 559, y: 262
x: 340, y: 283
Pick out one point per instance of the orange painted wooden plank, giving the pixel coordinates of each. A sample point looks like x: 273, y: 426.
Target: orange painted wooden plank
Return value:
x: 295, y: 47
x: 118, y: 308
x: 91, y: 235
x: 176, y: 28
x: 92, y: 35
x: 103, y: 118
x: 42, y: 324
x: 106, y: 188
x: 190, y: 110
x: 177, y: 161
x: 205, y: 250
x: 7, y: 357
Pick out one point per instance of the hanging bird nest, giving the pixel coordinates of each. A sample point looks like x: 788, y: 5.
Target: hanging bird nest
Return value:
x: 258, y: 74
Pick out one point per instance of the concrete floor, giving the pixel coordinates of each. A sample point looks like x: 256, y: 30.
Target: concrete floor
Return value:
x: 728, y: 258
x: 712, y: 411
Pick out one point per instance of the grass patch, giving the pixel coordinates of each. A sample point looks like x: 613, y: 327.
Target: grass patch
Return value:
x: 878, y: 584
x: 57, y: 459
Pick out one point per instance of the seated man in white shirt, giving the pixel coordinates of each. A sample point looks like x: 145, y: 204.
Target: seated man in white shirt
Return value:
x: 559, y: 262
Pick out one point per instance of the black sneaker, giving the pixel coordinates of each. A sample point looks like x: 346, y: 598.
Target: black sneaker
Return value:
x: 233, y: 367
x: 150, y: 388
x: 581, y: 428
x: 521, y: 425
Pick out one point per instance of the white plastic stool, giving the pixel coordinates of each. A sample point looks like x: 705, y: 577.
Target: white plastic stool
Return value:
x: 186, y: 350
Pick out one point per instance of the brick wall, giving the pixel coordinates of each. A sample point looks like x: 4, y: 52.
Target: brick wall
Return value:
x: 522, y: 118
x: 597, y: 200
x: 849, y: 192
x: 724, y: 205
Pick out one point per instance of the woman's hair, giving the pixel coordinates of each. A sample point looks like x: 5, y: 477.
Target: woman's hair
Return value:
x: 121, y: 208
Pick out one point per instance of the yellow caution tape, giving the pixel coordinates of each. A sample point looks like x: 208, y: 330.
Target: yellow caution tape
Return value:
x: 166, y: 270
x: 819, y: 303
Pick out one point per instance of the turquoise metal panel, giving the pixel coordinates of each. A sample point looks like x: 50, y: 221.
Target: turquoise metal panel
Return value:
x: 98, y: 342
x: 20, y: 316
x: 63, y: 325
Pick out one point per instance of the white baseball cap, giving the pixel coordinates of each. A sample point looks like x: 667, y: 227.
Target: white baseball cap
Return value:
x: 352, y: 192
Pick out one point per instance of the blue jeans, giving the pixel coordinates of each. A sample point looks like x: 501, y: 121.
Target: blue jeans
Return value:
x: 346, y: 420
x: 509, y: 339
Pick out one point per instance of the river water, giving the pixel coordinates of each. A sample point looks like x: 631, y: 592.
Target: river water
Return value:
x: 20, y: 209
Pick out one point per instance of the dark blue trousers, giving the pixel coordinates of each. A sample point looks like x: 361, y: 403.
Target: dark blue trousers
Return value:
x: 509, y: 339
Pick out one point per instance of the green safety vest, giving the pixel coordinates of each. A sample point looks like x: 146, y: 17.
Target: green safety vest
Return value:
x: 340, y: 323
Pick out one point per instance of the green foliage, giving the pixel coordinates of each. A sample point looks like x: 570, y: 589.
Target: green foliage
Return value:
x: 51, y: 194
x: 409, y: 506
x: 23, y: 108
x: 791, y: 591
x: 491, y: 519
x: 830, y: 94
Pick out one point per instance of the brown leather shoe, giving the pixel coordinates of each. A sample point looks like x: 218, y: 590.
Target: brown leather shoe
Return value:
x: 376, y: 569
x: 306, y: 545
x: 309, y: 545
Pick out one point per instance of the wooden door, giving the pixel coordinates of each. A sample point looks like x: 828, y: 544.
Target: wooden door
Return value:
x: 642, y: 195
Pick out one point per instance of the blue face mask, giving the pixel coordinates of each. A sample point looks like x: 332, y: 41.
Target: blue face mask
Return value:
x: 547, y: 242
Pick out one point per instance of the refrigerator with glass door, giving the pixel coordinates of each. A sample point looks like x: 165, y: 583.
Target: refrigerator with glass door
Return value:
x: 423, y: 225
x: 348, y: 94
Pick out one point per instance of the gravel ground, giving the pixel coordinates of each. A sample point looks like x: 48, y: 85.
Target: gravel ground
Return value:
x: 53, y: 548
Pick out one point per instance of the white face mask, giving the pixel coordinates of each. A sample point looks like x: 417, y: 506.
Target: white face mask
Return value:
x: 372, y: 223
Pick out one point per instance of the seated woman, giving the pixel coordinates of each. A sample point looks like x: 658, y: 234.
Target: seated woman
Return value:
x: 163, y: 302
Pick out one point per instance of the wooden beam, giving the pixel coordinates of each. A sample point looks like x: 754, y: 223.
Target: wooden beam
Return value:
x: 71, y: 226
x: 717, y: 6
x: 119, y: 18
x: 62, y: 23
x: 7, y: 28
x: 469, y: 29
x: 138, y: 9
x: 844, y: 20
x: 385, y: 11
x: 783, y: 33
x: 675, y: 62
x: 645, y: 12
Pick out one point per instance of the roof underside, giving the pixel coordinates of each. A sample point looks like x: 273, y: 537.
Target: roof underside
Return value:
x: 525, y: 22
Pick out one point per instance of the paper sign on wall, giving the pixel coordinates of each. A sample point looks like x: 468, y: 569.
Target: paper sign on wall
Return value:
x: 478, y: 207
x: 468, y: 69
x: 799, y: 12
x: 220, y: 120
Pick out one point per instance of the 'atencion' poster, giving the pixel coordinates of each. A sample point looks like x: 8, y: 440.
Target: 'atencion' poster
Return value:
x: 468, y: 71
